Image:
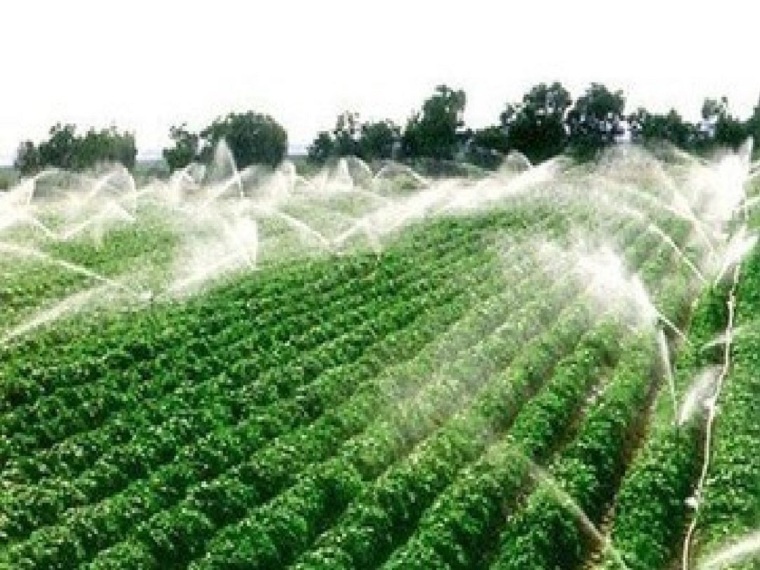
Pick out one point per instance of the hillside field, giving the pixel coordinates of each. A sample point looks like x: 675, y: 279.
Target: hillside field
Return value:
x: 547, y: 367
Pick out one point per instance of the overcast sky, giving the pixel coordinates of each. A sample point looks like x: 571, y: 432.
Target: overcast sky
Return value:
x: 145, y: 65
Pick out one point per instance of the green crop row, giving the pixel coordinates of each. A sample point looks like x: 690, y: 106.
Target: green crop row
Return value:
x: 418, y: 422
x: 651, y: 509
x: 211, y: 498
x: 256, y: 472
x: 30, y: 283
x: 457, y: 529
x: 545, y: 533
x: 550, y: 532
x: 232, y: 445
x: 263, y: 371
x: 731, y: 496
x: 172, y: 428
x: 278, y: 465
x: 254, y: 307
x: 383, y: 445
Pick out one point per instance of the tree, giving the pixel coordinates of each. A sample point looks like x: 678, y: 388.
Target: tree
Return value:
x: 369, y: 140
x: 346, y: 134
x: 487, y: 146
x: 730, y: 131
x: 252, y: 138
x: 595, y: 119
x: 65, y: 149
x: 343, y: 140
x: 536, y: 126
x: 106, y: 145
x: 185, y: 150
x: 27, y: 159
x: 753, y: 127
x: 719, y: 126
x: 378, y: 140
x: 322, y: 148
x: 492, y: 138
x: 713, y: 109
x: 434, y: 132
x: 670, y: 127
x: 60, y: 148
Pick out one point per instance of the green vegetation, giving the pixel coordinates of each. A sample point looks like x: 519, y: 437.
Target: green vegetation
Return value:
x: 647, y: 532
x: 545, y: 123
x: 351, y: 412
x: 732, y: 491
x: 253, y: 139
x: 7, y: 178
x: 68, y: 150
x: 486, y: 373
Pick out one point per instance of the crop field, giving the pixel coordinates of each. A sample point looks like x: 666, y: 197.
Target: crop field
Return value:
x: 547, y: 367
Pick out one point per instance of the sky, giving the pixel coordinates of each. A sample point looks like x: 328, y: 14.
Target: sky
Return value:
x: 145, y: 65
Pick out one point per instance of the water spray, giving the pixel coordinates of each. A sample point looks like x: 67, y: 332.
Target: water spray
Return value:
x: 567, y: 501
x: 742, y: 550
x: 696, y: 500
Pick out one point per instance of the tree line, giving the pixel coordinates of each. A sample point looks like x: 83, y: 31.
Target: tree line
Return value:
x: 547, y: 121
x: 67, y: 149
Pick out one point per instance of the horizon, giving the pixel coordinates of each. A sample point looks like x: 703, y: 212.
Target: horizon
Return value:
x: 161, y: 65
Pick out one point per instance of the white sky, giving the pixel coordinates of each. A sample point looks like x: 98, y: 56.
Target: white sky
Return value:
x: 145, y: 65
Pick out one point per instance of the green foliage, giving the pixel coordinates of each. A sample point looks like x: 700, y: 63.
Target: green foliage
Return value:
x: 594, y: 120
x: 670, y: 127
x: 28, y: 160
x: 363, y: 410
x: 185, y: 150
x: 60, y: 149
x: 368, y: 141
x: 543, y: 124
x: 753, y: 129
x: 730, y: 132
x: 434, y: 132
x: 731, y: 496
x: 346, y: 134
x: 547, y: 534
x: 106, y: 145
x: 536, y: 126
x: 253, y: 138
x: 378, y: 140
x: 8, y: 177
x: 322, y: 148
x: 487, y: 146
x: 68, y: 150
x: 719, y: 127
x: 647, y: 532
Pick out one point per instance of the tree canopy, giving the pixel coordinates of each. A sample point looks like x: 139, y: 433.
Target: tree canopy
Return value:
x: 369, y: 140
x: 186, y: 147
x: 545, y: 122
x: 253, y: 138
x: 536, y: 125
x: 433, y: 131
x: 595, y: 119
x: 66, y: 149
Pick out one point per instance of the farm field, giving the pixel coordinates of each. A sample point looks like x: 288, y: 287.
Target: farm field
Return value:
x: 546, y: 367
